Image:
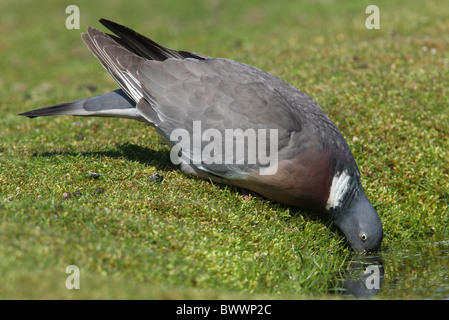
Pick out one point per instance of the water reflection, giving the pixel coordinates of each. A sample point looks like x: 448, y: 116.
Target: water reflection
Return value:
x: 363, y: 278
x: 418, y: 271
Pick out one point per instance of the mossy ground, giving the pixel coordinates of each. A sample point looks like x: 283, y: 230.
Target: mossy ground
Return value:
x: 385, y: 89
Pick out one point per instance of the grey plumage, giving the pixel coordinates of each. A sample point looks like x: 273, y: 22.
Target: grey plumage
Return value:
x: 171, y: 89
x: 112, y: 104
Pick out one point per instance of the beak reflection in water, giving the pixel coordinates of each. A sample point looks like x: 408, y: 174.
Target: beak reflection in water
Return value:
x: 362, y: 279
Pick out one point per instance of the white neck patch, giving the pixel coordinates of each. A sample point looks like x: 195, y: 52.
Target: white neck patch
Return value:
x: 338, y: 189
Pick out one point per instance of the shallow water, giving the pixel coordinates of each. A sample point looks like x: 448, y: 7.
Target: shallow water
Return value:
x: 421, y: 271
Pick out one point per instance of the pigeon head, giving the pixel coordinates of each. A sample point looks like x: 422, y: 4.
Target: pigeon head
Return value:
x: 360, y: 223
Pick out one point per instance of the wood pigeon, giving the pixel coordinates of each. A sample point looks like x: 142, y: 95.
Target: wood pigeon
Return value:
x: 234, y: 124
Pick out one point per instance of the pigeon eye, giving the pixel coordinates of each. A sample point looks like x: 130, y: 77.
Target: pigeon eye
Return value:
x: 363, y: 236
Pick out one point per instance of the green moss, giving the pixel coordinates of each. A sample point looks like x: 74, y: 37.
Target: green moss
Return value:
x: 185, y: 237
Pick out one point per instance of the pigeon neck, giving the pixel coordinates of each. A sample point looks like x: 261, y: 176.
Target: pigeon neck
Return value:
x: 345, y: 188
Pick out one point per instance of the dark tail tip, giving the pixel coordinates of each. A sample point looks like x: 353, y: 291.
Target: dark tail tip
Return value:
x: 27, y: 114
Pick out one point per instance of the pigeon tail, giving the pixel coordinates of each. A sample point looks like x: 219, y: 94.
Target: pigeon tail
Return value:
x: 113, y: 104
